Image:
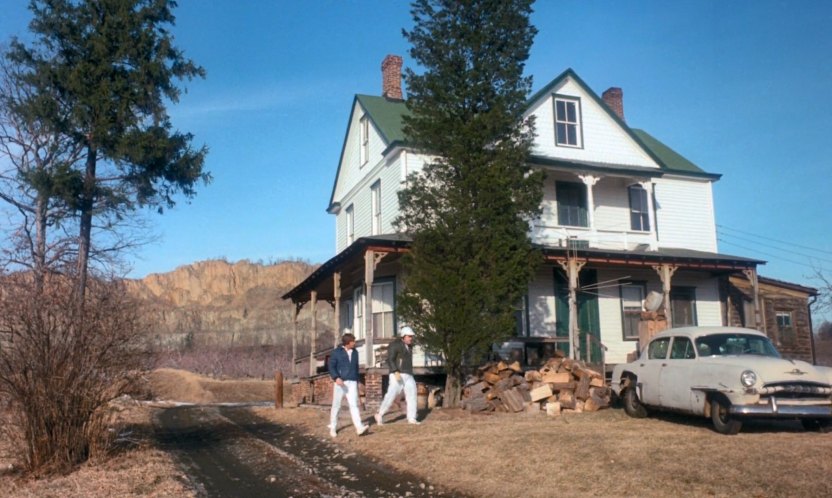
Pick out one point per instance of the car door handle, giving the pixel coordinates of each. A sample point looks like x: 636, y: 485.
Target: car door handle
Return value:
x: 641, y: 365
x: 664, y: 364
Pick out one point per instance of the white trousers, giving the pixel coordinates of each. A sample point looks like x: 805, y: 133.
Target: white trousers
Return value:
x: 394, y: 388
x: 350, y: 390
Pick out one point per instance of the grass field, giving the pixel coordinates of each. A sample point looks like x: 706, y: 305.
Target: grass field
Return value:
x: 604, y: 453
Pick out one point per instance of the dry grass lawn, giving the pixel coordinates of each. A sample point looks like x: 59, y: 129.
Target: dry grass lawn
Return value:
x: 180, y: 385
x: 604, y: 453
x: 138, y: 470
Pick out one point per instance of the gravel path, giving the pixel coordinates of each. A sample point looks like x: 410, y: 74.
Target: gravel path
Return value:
x: 230, y: 452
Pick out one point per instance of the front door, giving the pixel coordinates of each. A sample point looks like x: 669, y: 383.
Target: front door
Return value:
x: 588, y: 316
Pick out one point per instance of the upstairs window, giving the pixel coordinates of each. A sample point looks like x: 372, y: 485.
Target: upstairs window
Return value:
x: 571, y: 199
x: 375, y: 193
x: 567, y: 122
x: 364, y: 140
x: 639, y: 212
x: 350, y: 214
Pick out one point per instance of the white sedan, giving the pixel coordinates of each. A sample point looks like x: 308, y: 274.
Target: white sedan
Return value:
x: 729, y: 374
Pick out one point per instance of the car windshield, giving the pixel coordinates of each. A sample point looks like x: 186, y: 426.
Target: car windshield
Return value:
x: 735, y: 344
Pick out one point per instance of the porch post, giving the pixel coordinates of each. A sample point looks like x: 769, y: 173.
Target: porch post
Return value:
x: 295, y: 309
x: 666, y: 272
x: 572, y: 268
x: 751, y: 275
x: 336, y: 294
x: 590, y: 181
x: 369, y: 272
x: 313, y: 365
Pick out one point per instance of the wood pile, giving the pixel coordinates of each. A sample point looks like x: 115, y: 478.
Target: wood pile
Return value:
x: 561, y: 384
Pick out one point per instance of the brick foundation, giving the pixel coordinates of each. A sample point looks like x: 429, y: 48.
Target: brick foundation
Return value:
x: 373, y: 385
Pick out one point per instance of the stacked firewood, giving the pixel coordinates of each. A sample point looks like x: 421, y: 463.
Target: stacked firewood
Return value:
x: 561, y: 384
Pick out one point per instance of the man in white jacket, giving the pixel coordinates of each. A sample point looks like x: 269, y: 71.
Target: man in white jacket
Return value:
x: 400, y: 363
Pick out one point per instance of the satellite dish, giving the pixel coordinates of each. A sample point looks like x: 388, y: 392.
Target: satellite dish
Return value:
x: 653, y: 301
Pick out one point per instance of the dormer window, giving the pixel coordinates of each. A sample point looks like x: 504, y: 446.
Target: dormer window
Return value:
x: 364, y: 139
x: 567, y: 122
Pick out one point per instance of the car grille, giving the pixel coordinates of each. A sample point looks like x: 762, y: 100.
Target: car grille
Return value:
x: 796, y: 390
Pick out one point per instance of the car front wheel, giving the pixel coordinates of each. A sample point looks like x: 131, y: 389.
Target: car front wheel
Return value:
x: 817, y: 424
x: 632, y: 405
x: 723, y: 422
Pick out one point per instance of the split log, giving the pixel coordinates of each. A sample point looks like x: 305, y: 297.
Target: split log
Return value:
x: 513, y: 400
x: 533, y: 376
x: 556, y: 377
x: 516, y: 367
x: 597, y: 382
x: 566, y: 385
x: 491, y: 377
x: 501, y: 366
x: 553, y: 409
x: 582, y: 391
x: 505, y: 374
x: 476, y: 404
x: 567, y: 399
x: 541, y: 392
x: 594, y: 403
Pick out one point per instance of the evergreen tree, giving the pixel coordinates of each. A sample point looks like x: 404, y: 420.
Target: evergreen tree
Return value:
x: 103, y: 72
x: 468, y: 211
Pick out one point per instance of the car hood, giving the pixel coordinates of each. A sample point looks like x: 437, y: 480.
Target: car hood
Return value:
x: 770, y: 369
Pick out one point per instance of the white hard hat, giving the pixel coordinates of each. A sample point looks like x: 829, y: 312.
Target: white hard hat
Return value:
x: 406, y: 331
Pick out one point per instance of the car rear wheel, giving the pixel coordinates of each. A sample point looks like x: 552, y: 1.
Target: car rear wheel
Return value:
x: 723, y: 422
x: 632, y: 405
x: 817, y: 424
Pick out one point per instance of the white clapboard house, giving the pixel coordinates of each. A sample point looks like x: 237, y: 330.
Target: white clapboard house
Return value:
x: 623, y: 215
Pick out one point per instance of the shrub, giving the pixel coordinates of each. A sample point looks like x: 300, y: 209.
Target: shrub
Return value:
x: 61, y: 365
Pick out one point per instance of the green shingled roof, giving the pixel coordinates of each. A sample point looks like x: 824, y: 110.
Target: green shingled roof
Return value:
x: 670, y: 159
x: 387, y: 117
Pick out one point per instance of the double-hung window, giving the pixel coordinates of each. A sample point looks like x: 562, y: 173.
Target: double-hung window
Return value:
x: 350, y: 220
x: 639, y: 212
x: 375, y: 192
x: 632, y: 297
x: 571, y: 199
x: 567, y: 122
x: 384, y: 295
x: 364, y: 140
x: 358, y: 314
x: 784, y: 327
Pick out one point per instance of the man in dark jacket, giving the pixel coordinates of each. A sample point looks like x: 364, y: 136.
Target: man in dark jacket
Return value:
x: 343, y: 368
x: 400, y: 363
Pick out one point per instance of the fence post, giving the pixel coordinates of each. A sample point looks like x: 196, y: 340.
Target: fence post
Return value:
x: 278, y: 389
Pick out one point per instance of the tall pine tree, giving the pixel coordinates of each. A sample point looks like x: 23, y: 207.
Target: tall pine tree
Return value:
x: 468, y: 211
x: 103, y: 72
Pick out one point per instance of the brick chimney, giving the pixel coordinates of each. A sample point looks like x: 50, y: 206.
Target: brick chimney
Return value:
x: 614, y: 98
x: 391, y: 77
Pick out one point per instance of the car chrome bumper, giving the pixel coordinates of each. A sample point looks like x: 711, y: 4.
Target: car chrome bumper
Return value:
x: 785, y: 409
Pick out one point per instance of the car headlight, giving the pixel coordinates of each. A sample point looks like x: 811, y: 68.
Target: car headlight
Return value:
x: 748, y: 378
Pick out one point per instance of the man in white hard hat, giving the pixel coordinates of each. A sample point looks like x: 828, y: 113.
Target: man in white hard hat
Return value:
x: 400, y: 363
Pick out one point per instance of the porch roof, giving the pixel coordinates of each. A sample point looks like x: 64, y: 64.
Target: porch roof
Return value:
x: 684, y: 258
x: 321, y: 279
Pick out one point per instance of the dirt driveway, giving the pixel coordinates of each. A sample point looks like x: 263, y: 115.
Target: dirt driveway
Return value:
x: 229, y: 451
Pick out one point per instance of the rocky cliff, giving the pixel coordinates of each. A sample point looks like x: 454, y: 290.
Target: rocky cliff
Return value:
x: 217, y: 303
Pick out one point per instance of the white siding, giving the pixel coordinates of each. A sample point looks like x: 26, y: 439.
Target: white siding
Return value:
x: 685, y: 214
x: 542, y: 321
x: 351, y: 171
x: 603, y: 140
x: 612, y: 216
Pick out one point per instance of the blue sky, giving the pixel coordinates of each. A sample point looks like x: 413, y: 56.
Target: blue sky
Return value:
x: 740, y: 88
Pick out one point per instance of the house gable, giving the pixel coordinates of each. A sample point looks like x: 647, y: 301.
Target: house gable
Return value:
x: 384, y: 130
x: 603, y: 138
